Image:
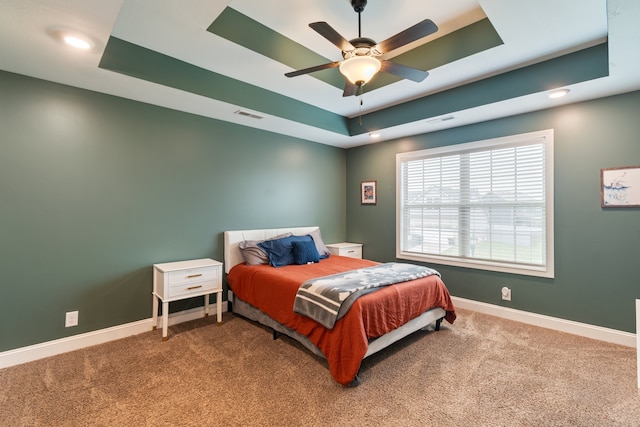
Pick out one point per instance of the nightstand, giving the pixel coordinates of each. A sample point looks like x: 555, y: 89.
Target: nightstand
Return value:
x: 173, y: 281
x: 353, y: 250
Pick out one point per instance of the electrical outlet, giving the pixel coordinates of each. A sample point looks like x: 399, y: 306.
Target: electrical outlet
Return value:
x: 506, y: 293
x: 71, y: 319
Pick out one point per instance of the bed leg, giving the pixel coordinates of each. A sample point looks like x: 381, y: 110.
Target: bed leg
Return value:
x: 438, y: 323
x: 276, y: 334
x: 355, y: 382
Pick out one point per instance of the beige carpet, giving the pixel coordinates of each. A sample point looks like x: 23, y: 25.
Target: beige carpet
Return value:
x: 481, y: 371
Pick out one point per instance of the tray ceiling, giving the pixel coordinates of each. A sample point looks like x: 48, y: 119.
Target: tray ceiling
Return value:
x: 489, y: 59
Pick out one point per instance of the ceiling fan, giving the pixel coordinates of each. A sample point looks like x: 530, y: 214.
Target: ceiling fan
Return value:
x: 363, y: 56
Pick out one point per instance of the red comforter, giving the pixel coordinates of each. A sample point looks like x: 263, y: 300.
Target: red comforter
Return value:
x: 273, y: 291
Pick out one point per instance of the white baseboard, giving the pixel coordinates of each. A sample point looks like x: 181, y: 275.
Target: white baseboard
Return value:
x: 638, y: 339
x: 76, y: 342
x: 576, y: 328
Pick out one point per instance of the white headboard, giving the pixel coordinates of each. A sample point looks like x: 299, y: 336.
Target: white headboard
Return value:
x: 232, y: 255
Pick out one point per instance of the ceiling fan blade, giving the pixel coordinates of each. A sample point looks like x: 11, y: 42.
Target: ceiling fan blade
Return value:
x: 326, y: 31
x: 349, y: 89
x: 403, y: 71
x: 411, y: 34
x: 312, y: 69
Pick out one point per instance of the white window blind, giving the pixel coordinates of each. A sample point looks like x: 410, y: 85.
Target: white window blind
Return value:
x: 486, y: 204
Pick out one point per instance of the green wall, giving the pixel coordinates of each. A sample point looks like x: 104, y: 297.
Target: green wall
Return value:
x: 596, y: 250
x: 94, y: 189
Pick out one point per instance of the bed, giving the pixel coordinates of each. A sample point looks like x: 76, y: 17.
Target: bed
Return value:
x: 266, y: 294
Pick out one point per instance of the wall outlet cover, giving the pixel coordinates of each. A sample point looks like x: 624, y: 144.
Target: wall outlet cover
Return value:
x: 71, y: 319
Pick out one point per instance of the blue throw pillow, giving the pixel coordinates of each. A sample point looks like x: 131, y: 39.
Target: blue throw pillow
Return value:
x: 305, y: 252
x: 280, y: 251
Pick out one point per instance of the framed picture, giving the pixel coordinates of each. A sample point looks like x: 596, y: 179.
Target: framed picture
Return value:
x: 368, y: 193
x: 620, y: 187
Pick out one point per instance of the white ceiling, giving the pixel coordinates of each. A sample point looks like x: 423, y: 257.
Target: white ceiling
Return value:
x: 531, y: 31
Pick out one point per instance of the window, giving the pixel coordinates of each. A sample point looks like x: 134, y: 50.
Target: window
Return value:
x: 485, y: 204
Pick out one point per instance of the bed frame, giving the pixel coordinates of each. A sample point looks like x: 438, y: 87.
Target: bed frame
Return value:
x: 233, y: 256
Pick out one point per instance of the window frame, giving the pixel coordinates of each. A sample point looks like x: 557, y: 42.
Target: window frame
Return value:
x: 547, y: 270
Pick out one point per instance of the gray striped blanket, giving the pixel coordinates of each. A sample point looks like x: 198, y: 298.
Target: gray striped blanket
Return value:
x: 326, y: 299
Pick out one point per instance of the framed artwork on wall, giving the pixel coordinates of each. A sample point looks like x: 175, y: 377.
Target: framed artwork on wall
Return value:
x: 620, y: 187
x: 368, y: 193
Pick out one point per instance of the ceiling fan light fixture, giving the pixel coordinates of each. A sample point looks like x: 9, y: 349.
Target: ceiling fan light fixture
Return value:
x: 360, y: 69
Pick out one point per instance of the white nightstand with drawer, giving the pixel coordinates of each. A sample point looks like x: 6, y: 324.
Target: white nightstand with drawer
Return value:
x: 173, y: 281
x: 353, y: 250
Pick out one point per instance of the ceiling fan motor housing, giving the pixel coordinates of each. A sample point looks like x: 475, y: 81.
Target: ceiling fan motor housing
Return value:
x: 363, y: 46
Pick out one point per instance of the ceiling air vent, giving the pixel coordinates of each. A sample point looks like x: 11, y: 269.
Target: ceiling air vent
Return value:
x: 439, y: 119
x: 248, y: 114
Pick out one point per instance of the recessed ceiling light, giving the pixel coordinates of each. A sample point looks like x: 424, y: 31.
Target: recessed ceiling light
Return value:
x: 77, y: 41
x: 72, y: 38
x: 558, y: 93
x: 374, y: 135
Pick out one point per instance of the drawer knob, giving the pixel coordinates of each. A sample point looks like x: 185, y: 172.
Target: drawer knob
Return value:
x: 190, y: 288
x: 194, y: 275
